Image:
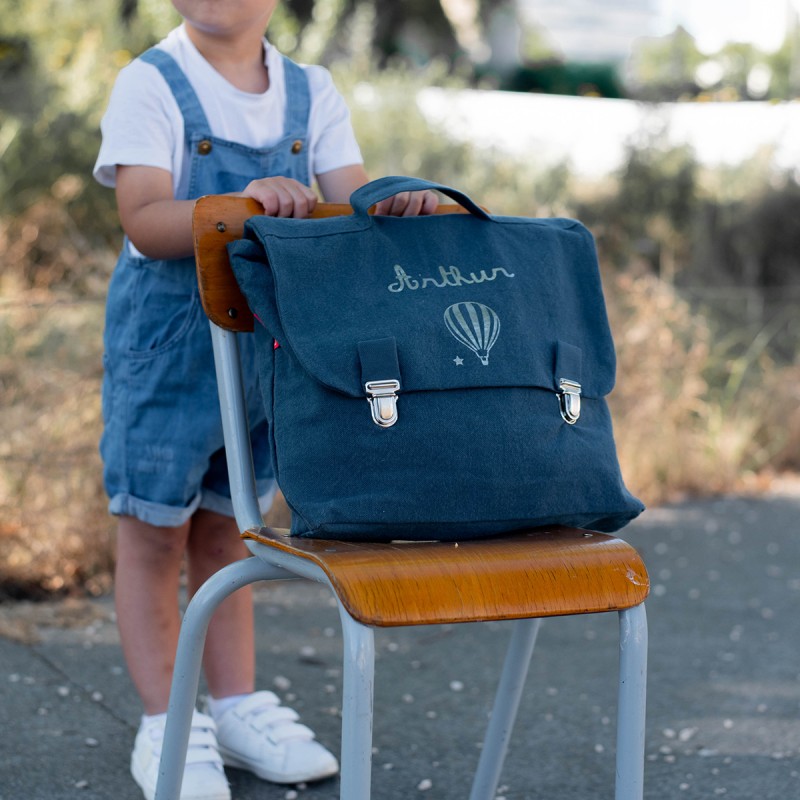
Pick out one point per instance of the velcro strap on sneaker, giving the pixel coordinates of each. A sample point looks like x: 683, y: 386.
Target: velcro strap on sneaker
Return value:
x: 282, y: 733
x: 263, y: 713
x: 272, y: 715
x: 203, y: 741
x: 202, y: 738
x: 256, y: 702
x: 203, y: 755
x: 203, y: 722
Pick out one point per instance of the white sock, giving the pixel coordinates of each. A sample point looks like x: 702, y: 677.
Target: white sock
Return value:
x: 152, y: 718
x: 218, y: 706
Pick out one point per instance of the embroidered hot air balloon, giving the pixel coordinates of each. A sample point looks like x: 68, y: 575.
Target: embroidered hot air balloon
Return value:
x: 474, y: 325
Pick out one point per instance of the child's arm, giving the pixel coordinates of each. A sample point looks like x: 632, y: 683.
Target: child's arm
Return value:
x: 158, y: 225
x: 161, y: 227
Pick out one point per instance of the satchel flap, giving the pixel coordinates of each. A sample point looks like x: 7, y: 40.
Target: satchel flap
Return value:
x: 467, y: 302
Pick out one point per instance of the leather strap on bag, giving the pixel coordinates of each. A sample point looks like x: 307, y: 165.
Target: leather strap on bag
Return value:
x: 380, y: 376
x: 364, y: 198
x: 568, y: 380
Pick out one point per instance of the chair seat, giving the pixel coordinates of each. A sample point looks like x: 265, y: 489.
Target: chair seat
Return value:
x: 539, y: 572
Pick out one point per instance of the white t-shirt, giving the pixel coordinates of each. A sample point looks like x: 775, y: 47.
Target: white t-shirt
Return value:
x: 143, y: 125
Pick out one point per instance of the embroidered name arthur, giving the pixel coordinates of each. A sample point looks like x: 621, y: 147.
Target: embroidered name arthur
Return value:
x: 448, y: 276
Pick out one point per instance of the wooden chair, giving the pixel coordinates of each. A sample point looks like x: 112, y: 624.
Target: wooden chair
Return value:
x: 524, y: 577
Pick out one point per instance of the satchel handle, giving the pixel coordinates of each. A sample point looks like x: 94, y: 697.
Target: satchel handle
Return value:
x: 362, y: 199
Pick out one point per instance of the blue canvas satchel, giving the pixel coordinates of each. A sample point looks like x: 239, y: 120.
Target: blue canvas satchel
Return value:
x: 436, y: 377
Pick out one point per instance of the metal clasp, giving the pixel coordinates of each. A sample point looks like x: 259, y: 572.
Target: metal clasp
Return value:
x: 382, y: 398
x: 570, y: 400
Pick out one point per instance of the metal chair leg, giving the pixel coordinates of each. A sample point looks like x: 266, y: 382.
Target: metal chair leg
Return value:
x: 504, y: 713
x: 358, y: 685
x: 186, y: 675
x: 631, y: 703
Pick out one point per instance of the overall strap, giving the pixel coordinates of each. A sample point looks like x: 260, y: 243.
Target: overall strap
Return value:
x: 298, y: 98
x: 194, y: 118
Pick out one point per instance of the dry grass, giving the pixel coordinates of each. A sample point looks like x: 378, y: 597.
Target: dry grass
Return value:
x: 694, y: 414
x: 54, y: 531
x: 659, y: 401
x: 55, y: 534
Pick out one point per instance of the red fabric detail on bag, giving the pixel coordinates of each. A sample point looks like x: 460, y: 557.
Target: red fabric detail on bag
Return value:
x: 275, y: 344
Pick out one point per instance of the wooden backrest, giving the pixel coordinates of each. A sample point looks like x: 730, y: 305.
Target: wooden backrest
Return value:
x: 219, y: 219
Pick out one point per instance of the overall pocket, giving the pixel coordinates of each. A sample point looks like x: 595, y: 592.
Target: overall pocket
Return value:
x: 165, y: 307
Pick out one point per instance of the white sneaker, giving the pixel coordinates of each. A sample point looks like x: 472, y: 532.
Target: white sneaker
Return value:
x: 260, y: 735
x: 203, y: 777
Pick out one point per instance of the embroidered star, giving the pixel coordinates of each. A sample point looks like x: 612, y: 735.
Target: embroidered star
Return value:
x: 458, y: 361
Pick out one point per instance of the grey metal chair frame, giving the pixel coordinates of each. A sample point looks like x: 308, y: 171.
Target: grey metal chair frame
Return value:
x: 269, y: 563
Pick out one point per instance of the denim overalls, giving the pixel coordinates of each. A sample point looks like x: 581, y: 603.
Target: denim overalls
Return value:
x: 162, y: 442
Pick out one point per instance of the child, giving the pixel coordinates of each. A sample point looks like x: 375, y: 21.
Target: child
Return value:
x: 212, y: 109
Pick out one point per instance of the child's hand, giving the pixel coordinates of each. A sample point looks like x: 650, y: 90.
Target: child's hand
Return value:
x: 408, y: 204
x: 282, y: 197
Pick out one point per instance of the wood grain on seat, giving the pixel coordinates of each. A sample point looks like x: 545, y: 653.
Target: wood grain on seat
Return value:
x: 541, y: 572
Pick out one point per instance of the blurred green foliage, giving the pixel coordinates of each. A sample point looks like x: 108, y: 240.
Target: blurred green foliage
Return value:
x: 58, y: 61
x: 673, y: 67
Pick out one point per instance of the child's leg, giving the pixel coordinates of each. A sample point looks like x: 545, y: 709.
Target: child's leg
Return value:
x: 229, y: 657
x: 254, y: 732
x: 149, y: 560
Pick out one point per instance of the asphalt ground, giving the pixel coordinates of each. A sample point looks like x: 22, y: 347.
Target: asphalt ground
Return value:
x: 723, y: 690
